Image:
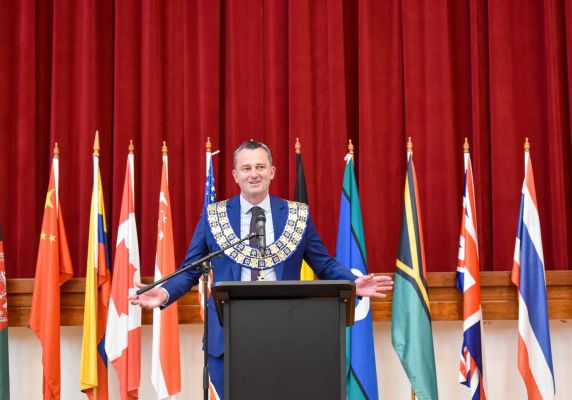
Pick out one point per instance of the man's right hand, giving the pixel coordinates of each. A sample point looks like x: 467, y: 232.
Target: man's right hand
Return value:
x: 150, y: 299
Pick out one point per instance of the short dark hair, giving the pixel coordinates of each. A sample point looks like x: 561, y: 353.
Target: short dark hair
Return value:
x: 252, y: 145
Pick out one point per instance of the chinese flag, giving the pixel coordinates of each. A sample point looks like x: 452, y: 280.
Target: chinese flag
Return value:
x: 53, y: 268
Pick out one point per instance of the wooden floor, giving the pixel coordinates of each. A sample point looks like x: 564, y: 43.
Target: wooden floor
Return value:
x: 498, y: 299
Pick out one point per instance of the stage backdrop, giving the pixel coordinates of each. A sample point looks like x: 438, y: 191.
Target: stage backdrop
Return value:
x: 373, y: 71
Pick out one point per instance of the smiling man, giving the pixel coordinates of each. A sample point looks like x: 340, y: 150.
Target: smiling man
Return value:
x: 290, y: 237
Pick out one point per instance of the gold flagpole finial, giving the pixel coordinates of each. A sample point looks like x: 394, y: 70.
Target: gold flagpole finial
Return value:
x: 56, y: 150
x: 466, y: 146
x: 208, y: 145
x: 96, y: 144
x: 526, y: 145
x: 164, y: 148
x: 298, y: 146
x: 350, y: 148
x: 410, y: 145
x: 131, y: 148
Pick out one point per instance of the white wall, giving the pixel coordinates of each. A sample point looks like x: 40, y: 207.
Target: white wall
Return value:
x: 500, y: 344
x: 500, y: 351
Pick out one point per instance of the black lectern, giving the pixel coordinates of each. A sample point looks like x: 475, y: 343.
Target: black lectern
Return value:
x: 285, y: 339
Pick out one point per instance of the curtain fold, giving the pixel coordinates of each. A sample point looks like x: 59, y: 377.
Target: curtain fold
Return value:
x: 274, y: 70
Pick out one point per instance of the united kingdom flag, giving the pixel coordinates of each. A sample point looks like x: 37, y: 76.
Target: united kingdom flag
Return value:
x: 469, y: 283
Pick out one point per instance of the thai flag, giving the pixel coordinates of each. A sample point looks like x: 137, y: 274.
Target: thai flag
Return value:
x: 534, y: 354
x: 469, y: 283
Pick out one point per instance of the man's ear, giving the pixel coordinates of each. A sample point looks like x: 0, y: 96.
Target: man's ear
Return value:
x: 272, y: 172
x: 235, y: 175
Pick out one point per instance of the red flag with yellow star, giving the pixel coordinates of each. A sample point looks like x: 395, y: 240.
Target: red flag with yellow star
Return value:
x: 53, y: 268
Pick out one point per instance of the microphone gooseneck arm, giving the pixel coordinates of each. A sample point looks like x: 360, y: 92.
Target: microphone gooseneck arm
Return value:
x: 194, y: 265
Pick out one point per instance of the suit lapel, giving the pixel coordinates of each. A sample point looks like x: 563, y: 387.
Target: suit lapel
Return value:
x: 279, y: 217
x: 233, y: 210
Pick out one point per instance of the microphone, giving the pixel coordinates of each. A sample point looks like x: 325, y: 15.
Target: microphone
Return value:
x: 260, y: 222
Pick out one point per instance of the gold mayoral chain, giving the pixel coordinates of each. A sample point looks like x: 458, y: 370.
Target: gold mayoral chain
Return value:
x: 249, y: 256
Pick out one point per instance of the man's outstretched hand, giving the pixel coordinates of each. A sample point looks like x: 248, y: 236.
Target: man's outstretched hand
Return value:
x: 150, y: 299
x: 373, y: 285
x: 366, y: 286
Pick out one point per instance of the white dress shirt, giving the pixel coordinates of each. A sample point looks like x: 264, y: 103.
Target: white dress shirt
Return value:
x: 269, y: 274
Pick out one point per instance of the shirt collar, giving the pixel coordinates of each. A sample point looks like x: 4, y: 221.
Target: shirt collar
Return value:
x: 245, y: 205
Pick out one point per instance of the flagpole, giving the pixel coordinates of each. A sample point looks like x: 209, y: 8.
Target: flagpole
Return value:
x: 206, y: 268
x: 205, y: 277
x: 351, y: 149
x: 410, y: 152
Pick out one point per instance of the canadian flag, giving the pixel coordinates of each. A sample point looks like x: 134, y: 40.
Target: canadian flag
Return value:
x: 166, y: 365
x: 123, y: 334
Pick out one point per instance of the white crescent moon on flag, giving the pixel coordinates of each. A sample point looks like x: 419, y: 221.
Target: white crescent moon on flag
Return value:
x: 362, y: 307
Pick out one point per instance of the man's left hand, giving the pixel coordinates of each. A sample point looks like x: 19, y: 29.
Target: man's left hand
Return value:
x: 373, y: 285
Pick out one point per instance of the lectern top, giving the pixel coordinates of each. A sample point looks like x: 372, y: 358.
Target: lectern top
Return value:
x: 340, y: 289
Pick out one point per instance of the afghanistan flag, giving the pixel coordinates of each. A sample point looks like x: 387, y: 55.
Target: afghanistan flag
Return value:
x: 411, y: 332
x: 4, y: 365
x: 350, y: 251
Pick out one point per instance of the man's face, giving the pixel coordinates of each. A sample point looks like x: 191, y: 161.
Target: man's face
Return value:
x: 253, y: 174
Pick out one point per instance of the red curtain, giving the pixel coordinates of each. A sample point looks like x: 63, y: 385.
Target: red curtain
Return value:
x: 326, y: 71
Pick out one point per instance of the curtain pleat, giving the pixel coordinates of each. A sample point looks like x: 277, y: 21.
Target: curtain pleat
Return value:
x: 375, y: 72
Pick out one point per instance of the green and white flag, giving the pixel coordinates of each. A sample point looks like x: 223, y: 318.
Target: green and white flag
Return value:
x: 411, y: 332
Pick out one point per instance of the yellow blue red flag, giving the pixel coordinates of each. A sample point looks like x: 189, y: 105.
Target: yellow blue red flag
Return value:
x: 93, y: 361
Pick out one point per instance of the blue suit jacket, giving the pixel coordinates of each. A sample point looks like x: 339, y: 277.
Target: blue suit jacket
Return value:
x: 310, y: 248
